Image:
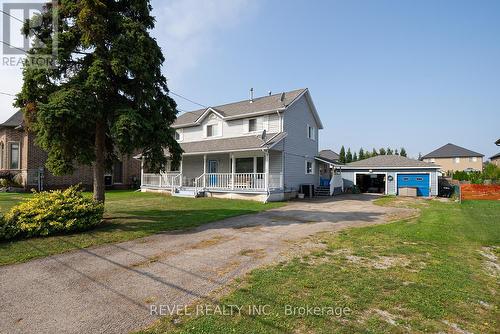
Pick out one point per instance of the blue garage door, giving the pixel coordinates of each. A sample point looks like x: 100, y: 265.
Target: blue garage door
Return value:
x: 420, y: 181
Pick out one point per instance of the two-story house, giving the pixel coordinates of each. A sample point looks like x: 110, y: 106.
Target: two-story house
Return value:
x: 455, y: 158
x: 262, y: 149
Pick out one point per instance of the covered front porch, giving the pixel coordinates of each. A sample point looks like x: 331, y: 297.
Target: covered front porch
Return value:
x: 254, y: 171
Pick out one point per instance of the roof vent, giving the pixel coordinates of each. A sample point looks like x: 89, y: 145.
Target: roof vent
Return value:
x: 270, y: 93
x: 282, y: 97
x: 251, y: 95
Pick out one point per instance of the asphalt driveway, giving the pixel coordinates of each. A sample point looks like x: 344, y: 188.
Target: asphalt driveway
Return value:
x: 110, y: 289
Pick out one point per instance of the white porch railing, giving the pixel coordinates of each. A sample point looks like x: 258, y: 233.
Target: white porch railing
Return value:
x: 162, y: 180
x: 218, y: 181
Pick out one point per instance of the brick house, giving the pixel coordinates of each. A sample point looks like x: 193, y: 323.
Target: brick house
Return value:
x: 20, y: 155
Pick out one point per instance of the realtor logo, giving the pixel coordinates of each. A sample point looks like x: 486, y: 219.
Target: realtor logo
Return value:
x: 15, y: 45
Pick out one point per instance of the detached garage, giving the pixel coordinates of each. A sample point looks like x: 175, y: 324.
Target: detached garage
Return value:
x: 392, y: 175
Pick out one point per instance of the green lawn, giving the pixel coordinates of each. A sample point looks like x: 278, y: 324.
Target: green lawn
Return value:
x: 129, y: 215
x: 429, y: 274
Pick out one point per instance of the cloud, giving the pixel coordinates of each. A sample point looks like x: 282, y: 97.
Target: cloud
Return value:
x: 186, y: 29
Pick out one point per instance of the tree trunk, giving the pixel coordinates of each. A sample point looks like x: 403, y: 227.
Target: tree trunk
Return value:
x: 99, y: 164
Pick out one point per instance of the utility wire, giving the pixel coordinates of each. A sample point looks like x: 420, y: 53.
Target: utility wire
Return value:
x: 12, y: 46
x: 8, y: 94
x: 185, y: 98
x: 15, y: 18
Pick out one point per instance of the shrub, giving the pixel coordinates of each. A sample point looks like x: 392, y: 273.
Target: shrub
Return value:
x: 51, y: 212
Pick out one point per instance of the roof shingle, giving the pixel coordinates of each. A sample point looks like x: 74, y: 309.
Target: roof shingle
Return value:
x: 14, y: 120
x: 241, y: 108
x: 451, y: 151
x: 391, y: 161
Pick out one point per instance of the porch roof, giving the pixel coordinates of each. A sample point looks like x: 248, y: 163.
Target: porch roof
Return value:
x: 244, y: 143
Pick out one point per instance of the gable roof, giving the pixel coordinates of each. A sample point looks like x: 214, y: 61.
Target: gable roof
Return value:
x: 450, y: 151
x: 496, y: 156
x: 329, y: 155
x: 14, y: 120
x: 261, y: 105
x: 390, y: 161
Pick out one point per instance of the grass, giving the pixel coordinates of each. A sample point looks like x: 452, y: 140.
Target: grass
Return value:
x: 129, y: 215
x: 428, y: 274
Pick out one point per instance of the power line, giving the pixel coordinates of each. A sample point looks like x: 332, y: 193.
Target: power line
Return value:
x: 12, y: 46
x: 8, y: 94
x: 185, y: 98
x: 15, y: 18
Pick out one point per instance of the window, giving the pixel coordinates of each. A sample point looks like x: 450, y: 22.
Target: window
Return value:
x: 260, y: 165
x: 14, y: 155
x: 1, y: 155
x: 212, y: 130
x: 419, y: 179
x: 473, y: 159
x: 311, y: 132
x: 433, y: 160
x: 456, y: 160
x: 117, y: 171
x: 309, y: 167
x: 406, y: 178
x: 252, y: 125
x: 178, y: 134
x: 244, y: 165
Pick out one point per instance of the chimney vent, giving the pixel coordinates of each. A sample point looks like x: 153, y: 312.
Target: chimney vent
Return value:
x: 270, y: 93
x: 251, y: 95
x: 282, y: 97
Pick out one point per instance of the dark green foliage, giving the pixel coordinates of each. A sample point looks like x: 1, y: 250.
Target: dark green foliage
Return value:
x: 402, y: 152
x: 355, y: 157
x: 51, y: 212
x: 374, y: 152
x: 342, y: 157
x: 490, y: 172
x: 348, y: 156
x: 106, y: 92
x: 389, y: 151
x: 361, y: 154
x: 382, y: 151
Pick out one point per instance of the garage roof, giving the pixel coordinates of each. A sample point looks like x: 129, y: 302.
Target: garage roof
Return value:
x: 390, y: 162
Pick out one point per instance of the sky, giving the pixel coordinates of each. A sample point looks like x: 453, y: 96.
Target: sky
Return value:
x: 413, y: 74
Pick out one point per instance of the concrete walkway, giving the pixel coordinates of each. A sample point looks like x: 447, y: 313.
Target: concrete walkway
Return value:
x: 109, y: 289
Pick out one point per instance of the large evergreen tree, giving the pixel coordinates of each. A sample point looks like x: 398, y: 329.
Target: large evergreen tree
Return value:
x: 382, y: 151
x: 106, y: 93
x: 342, y: 157
x: 361, y: 154
x: 403, y: 152
x: 348, y: 156
x: 389, y: 151
x: 374, y: 152
x: 355, y: 157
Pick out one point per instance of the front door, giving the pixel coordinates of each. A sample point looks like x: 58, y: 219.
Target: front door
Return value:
x: 213, y: 167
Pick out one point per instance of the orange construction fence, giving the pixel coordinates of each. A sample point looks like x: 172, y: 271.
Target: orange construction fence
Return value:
x: 480, y: 191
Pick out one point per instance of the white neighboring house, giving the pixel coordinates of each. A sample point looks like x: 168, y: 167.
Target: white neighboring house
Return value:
x: 262, y: 149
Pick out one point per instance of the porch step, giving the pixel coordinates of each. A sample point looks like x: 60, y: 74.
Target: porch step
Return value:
x: 322, y: 191
x: 185, y: 193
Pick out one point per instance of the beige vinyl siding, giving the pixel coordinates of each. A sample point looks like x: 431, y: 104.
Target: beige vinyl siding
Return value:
x: 449, y: 164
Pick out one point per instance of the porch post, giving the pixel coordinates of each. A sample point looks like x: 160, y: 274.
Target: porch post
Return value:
x: 180, y: 170
x: 266, y: 169
x: 142, y: 170
x: 204, y: 170
x: 233, y: 168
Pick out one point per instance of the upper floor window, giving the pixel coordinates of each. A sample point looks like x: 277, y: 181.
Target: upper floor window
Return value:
x: 14, y: 155
x: 212, y: 130
x: 456, y: 160
x: 311, y: 132
x: 178, y: 134
x: 473, y: 159
x: 252, y: 125
x: 433, y: 160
